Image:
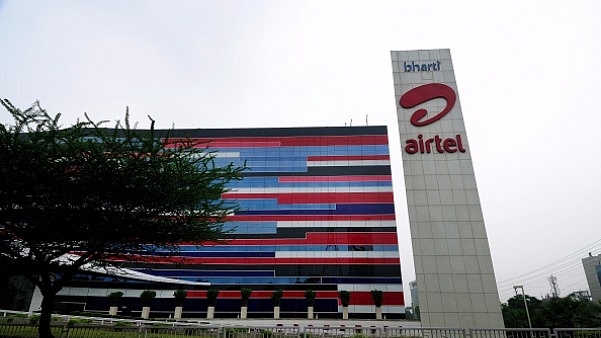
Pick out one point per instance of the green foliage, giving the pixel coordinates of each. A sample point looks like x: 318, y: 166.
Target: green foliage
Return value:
x: 266, y: 333
x: 359, y: 335
x: 75, y: 321
x: 553, y: 312
x: 103, y: 193
x: 276, y: 296
x: 377, y: 296
x: 212, y: 294
x: 310, y: 297
x: 245, y: 295
x: 179, y: 296
x: 345, y: 297
x: 147, y: 296
x: 115, y: 298
x: 34, y: 319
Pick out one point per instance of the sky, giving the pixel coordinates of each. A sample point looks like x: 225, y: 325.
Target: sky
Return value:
x: 527, y: 71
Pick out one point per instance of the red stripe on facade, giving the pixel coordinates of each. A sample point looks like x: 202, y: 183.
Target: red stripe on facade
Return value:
x: 254, y: 261
x: 299, y: 141
x: 349, y: 178
x: 348, y: 158
x: 292, y: 218
x: 357, y: 297
x: 324, y: 238
x: 317, y: 198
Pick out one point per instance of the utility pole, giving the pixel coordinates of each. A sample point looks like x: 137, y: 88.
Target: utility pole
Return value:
x: 554, y: 286
x: 516, y: 287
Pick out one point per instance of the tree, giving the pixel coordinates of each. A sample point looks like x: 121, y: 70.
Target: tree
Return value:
x: 179, y: 296
x: 276, y: 296
x: 514, y: 313
x: 114, y: 300
x: 74, y: 198
x: 376, y: 295
x: 212, y: 294
x: 554, y: 312
x: 345, y: 298
x: 378, y: 299
x: 310, y: 297
x: 245, y: 295
x: 147, y: 296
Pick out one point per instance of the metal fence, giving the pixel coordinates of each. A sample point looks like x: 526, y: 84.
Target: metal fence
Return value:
x: 19, y: 330
x: 15, y: 325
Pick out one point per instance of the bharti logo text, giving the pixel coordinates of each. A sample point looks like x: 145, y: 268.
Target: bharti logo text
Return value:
x: 412, y: 66
x: 422, y: 94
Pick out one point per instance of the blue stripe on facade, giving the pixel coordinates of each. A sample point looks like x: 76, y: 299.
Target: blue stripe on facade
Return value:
x: 250, y: 227
x: 341, y: 209
x: 272, y: 204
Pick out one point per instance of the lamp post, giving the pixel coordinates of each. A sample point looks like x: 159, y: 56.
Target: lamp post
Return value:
x: 516, y: 287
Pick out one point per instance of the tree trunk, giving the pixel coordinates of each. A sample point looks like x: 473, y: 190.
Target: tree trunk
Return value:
x: 46, y: 315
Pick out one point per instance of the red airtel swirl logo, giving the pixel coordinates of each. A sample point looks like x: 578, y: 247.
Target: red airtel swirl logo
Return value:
x: 424, y: 93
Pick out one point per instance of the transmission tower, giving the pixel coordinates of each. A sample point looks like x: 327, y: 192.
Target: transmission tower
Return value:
x: 554, y: 286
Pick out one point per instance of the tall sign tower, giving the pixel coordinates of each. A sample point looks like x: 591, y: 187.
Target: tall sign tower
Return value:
x: 454, y: 270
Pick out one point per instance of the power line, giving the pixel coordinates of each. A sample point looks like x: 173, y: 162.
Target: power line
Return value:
x: 553, y: 266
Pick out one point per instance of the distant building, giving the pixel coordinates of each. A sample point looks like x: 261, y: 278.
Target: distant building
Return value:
x: 583, y: 295
x: 414, y: 294
x: 592, y: 270
x: 414, y: 299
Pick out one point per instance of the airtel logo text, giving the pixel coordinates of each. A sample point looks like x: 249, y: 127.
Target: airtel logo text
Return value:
x: 422, y: 94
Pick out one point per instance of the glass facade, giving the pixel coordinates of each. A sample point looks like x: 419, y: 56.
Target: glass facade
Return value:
x: 316, y: 211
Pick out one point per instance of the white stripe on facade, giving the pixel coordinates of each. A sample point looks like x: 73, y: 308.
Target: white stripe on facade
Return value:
x: 346, y: 163
x: 104, y: 292
x: 369, y: 287
x: 372, y: 309
x: 336, y: 224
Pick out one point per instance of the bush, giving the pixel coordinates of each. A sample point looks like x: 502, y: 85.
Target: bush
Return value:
x: 74, y: 321
x: 34, y: 319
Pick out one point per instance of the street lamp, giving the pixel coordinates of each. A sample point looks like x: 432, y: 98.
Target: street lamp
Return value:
x: 516, y: 287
